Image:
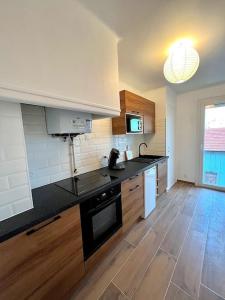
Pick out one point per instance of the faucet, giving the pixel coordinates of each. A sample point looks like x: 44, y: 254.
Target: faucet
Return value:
x: 140, y: 148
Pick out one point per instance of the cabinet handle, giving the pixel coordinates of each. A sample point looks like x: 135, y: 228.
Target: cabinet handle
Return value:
x: 133, y: 177
x: 38, y: 228
x: 136, y: 187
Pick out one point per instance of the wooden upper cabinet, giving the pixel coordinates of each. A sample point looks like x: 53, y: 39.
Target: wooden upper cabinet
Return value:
x: 134, y: 104
x: 44, y: 262
x: 149, y: 118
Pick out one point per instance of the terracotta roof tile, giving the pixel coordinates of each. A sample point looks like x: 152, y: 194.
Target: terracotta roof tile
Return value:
x: 214, y: 139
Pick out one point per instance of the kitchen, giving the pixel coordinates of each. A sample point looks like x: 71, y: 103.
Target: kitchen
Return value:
x: 99, y: 188
x: 108, y: 201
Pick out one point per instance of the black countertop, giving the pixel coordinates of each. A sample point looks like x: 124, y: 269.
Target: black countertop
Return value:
x: 50, y: 200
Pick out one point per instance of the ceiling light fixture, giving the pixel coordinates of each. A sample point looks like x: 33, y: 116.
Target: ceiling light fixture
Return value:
x: 182, y: 62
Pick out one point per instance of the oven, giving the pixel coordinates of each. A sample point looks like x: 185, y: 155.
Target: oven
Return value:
x: 101, y: 217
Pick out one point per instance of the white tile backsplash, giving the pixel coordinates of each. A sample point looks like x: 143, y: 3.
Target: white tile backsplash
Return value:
x: 15, y: 195
x: 4, y: 184
x: 49, y: 159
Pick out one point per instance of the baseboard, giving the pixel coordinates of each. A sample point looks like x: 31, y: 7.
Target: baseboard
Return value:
x: 184, y: 181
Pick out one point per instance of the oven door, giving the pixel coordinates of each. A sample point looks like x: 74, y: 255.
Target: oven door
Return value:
x: 100, y: 223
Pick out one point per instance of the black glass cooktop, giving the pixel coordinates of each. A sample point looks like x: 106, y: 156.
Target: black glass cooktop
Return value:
x: 84, y: 183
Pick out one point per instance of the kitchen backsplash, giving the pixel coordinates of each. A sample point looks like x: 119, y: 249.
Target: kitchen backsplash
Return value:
x: 49, y: 159
x: 15, y: 196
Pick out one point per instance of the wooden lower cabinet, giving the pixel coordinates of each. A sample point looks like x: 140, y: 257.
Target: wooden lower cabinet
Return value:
x: 161, y: 177
x: 132, y: 191
x: 44, y: 262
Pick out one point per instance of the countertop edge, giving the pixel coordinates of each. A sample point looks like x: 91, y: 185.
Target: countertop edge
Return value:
x: 52, y: 214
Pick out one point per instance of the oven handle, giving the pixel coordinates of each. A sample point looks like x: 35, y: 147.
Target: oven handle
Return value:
x: 100, y: 207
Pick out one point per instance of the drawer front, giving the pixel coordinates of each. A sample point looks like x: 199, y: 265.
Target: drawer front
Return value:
x: 131, y: 184
x: 132, y: 200
x: 40, y: 254
x: 162, y: 177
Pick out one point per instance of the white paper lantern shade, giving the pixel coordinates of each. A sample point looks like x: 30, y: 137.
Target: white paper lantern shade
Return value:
x: 181, y: 64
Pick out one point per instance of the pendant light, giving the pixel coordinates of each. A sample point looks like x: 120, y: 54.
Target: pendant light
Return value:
x: 182, y: 62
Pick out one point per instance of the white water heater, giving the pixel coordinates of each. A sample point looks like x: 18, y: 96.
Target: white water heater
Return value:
x: 64, y: 122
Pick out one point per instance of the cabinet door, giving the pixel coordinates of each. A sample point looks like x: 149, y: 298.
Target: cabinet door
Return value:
x: 131, y: 103
x: 132, y: 200
x: 162, y: 177
x: 149, y: 117
x: 44, y: 262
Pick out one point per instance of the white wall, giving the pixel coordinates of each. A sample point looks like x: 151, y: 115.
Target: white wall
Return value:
x: 49, y: 158
x: 187, y: 123
x: 56, y: 53
x: 163, y: 141
x: 157, y: 141
x: 171, y: 136
x: 15, y: 196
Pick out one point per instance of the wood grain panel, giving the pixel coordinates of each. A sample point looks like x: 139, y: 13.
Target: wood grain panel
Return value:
x: 61, y: 285
x: 176, y: 235
x: 131, y: 183
x: 134, y: 104
x: 188, y: 270
x: 149, y: 117
x: 91, y: 262
x: 164, y: 201
x: 29, y: 261
x: 175, y: 293
x: 156, y: 280
x: 112, y: 293
x: 213, y: 275
x: 129, y: 278
x: 190, y: 203
x: 143, y: 255
x: 119, y: 125
x: 206, y: 294
x: 94, y: 283
x: 162, y: 176
x: 132, y: 200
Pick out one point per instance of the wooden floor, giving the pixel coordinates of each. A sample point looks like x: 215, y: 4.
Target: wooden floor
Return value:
x: 178, y: 253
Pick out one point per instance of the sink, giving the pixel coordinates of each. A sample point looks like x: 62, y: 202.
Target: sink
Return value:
x: 148, y: 159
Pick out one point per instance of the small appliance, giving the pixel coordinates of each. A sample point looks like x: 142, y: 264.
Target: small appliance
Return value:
x: 67, y: 122
x: 114, y: 155
x: 101, y: 217
x: 134, y: 123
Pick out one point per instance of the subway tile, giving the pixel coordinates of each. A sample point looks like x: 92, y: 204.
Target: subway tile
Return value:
x: 9, y: 109
x: 22, y: 205
x: 14, y: 152
x: 5, y: 212
x: 89, y: 148
x: 12, y: 167
x: 17, y: 179
x: 11, y: 130
x: 32, y: 109
x: 2, y: 154
x: 13, y: 195
x: 4, y: 184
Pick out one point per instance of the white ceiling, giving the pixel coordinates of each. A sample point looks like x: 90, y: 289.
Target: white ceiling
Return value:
x: 148, y: 27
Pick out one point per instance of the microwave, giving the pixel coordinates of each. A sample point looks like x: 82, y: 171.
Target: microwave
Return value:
x: 134, y: 123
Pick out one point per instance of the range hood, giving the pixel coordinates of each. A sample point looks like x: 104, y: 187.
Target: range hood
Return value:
x: 67, y: 122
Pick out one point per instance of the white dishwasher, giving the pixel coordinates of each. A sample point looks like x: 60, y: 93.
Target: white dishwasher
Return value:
x: 149, y: 191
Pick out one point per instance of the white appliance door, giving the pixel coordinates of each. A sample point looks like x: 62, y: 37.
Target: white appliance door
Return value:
x: 150, y: 191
